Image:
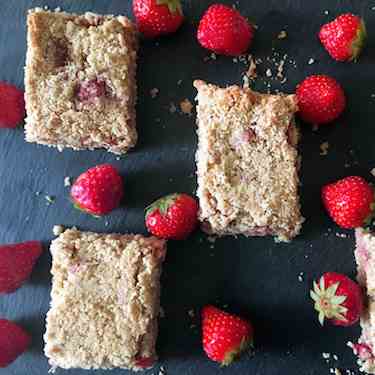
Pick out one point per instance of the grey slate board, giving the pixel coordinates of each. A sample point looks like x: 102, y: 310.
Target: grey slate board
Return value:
x: 254, y: 276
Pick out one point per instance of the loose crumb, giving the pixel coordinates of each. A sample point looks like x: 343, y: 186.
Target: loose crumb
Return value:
x: 300, y: 277
x: 179, y: 82
x: 251, y: 72
x: 280, y: 70
x: 50, y: 199
x: 172, y: 107
x: 341, y: 235
x: 162, y: 370
x: 186, y: 107
x: 372, y: 171
x: 269, y: 72
x: 67, y: 181
x: 282, y: 34
x: 326, y: 12
x: 337, y: 371
x: 57, y: 230
x: 311, y: 61
x: 161, y: 312
x: 326, y: 355
x: 154, y: 92
x: 324, y: 148
x: 191, y: 313
x: 335, y: 357
x: 211, y: 239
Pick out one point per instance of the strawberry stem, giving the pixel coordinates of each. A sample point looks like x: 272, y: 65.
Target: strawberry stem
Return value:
x: 174, y: 6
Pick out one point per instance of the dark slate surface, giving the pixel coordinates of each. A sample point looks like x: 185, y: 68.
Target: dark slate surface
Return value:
x: 255, y: 277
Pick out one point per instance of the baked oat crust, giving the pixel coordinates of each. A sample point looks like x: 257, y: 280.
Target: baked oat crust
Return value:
x: 247, y: 162
x: 104, y: 300
x: 365, y: 258
x: 66, y: 51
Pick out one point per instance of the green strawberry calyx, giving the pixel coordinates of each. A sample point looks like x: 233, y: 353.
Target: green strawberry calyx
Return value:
x: 174, y: 6
x: 162, y: 204
x: 327, y: 303
x: 245, y: 345
x: 359, y: 41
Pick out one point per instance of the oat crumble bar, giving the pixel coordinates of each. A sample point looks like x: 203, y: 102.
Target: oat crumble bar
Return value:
x: 247, y: 162
x: 365, y: 258
x: 80, y: 81
x: 104, y: 300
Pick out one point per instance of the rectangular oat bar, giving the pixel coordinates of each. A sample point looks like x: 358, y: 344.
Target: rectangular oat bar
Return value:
x: 104, y: 300
x: 80, y: 81
x: 365, y: 258
x: 247, y: 162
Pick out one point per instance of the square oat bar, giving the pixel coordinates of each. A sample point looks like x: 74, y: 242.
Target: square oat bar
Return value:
x: 104, y: 300
x: 247, y: 162
x: 80, y: 81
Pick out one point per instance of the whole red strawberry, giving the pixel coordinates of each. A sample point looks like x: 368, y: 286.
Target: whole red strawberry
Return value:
x: 172, y: 217
x: 224, y: 336
x: 349, y: 201
x: 338, y: 299
x: 158, y: 17
x: 225, y: 31
x: 344, y: 37
x: 14, y: 340
x: 16, y: 263
x: 320, y: 99
x: 12, y: 105
x: 98, y: 191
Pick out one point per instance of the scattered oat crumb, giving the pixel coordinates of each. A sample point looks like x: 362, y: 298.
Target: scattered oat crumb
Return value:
x: 326, y: 12
x: 57, y: 230
x: 213, y: 56
x: 37, y: 193
x: 282, y: 34
x: 283, y: 80
x: 280, y: 70
x: 300, y: 277
x: 172, y: 107
x: 162, y: 370
x: 211, y: 239
x: 191, y: 313
x: 337, y: 371
x: 335, y: 357
x: 161, y: 312
x: 324, y: 148
x: 341, y: 235
x: 372, y: 171
x: 50, y: 199
x: 326, y: 355
x: 118, y: 158
x: 246, y: 82
x: 311, y: 61
x: 255, y: 26
x: 57, y: 9
x: 252, y: 70
x: 106, y: 223
x: 235, y: 60
x: 45, y: 7
x: 186, y: 107
x: 269, y: 72
x: 154, y: 92
x: 179, y: 82
x: 67, y: 181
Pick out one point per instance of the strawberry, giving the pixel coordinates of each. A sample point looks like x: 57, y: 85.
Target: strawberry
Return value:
x: 98, y: 191
x: 158, y: 17
x: 349, y: 201
x: 320, y: 99
x: 16, y: 263
x: 363, y: 351
x: 224, y: 336
x: 344, y: 37
x: 14, y: 340
x: 225, y: 31
x: 12, y: 105
x: 338, y: 299
x: 172, y: 217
